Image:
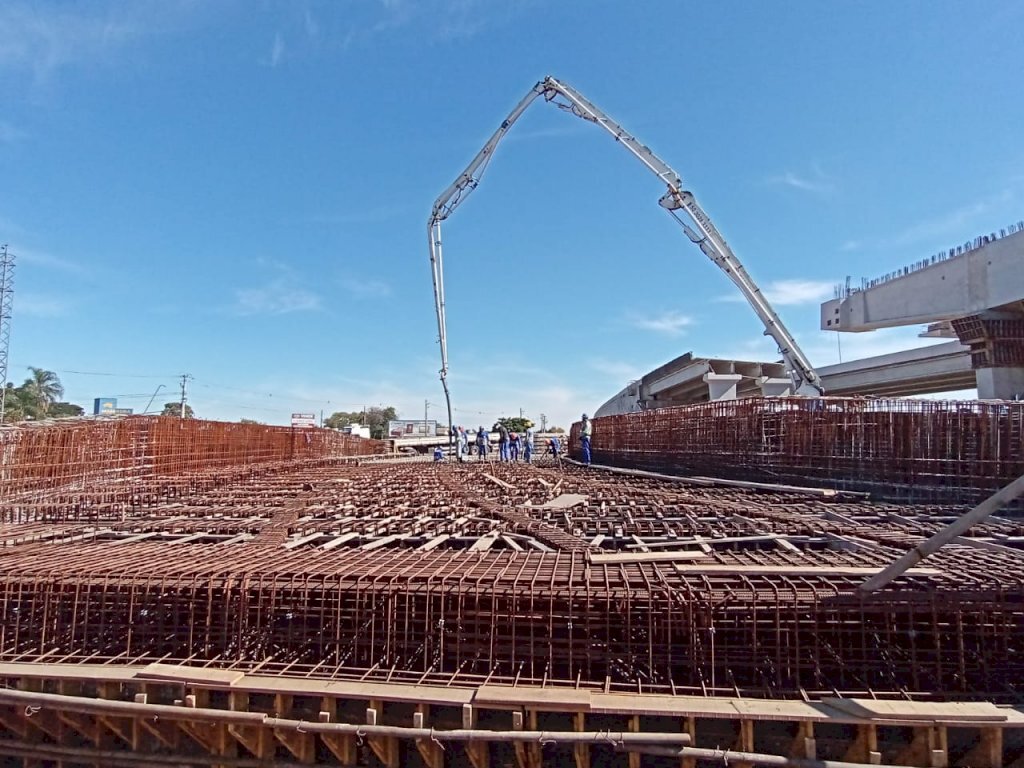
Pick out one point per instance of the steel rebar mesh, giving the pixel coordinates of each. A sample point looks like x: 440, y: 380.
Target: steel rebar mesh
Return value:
x: 899, y: 448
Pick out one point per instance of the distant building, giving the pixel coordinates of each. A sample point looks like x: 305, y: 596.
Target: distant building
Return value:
x: 411, y: 428
x: 104, y: 406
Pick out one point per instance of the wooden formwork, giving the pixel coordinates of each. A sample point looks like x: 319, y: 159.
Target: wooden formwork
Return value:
x: 176, y: 715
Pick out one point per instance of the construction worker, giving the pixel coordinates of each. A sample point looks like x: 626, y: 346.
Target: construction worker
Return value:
x: 528, y: 445
x: 481, y: 443
x: 586, y: 432
x: 513, y: 446
x: 554, y: 447
x: 502, y: 442
x: 460, y: 444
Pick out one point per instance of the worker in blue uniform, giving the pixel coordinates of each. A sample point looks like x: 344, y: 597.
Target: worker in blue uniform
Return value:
x: 586, y: 432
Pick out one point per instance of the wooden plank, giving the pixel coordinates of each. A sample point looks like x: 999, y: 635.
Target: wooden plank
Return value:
x: 496, y: 481
x: 337, y: 541
x: 794, y: 570
x: 484, y: 543
x: 925, y: 711
x: 513, y: 544
x: 352, y: 690
x: 293, y: 543
x: 644, y: 557
x: 214, y: 678
x: 543, y: 699
x: 137, y: 537
x: 434, y: 542
x: 565, y: 501
x: 384, y: 541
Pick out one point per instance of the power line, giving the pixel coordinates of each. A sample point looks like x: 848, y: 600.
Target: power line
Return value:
x: 120, y: 375
x: 287, y: 399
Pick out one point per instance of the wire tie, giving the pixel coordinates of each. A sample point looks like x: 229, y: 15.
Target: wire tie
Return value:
x: 30, y: 710
x: 299, y: 728
x: 360, y: 736
x: 436, y: 740
x: 544, y: 740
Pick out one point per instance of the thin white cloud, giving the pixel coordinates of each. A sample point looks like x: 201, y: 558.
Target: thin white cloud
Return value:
x: 817, y: 182
x: 277, y: 50
x: 618, y: 370
x: 310, y: 25
x: 441, y: 20
x: 788, y: 293
x: 40, y: 305
x: 671, y: 323
x: 278, y: 297
x: 27, y: 256
x: 43, y: 39
x: 957, y: 224
x: 366, y: 289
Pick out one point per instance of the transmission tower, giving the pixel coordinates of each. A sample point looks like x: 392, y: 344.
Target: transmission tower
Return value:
x: 6, y: 303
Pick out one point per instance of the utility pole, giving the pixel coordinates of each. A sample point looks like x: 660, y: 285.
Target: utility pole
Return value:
x: 6, y: 304
x: 184, y: 382
x: 543, y: 422
x: 520, y: 413
x: 426, y: 413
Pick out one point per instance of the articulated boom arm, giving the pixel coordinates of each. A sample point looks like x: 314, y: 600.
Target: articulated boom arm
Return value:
x: 702, y: 232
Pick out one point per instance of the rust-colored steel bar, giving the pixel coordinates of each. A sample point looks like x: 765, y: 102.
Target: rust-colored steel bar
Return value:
x: 899, y: 448
x: 314, y: 566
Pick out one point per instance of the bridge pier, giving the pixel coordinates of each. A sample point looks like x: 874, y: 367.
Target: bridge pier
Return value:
x: 997, y: 353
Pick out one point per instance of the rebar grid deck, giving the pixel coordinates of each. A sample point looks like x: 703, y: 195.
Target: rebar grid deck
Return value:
x: 415, y: 571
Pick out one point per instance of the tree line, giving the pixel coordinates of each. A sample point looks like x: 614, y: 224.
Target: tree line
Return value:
x: 375, y: 418
x: 38, y: 398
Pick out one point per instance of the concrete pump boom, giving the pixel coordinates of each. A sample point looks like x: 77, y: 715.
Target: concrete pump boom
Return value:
x: 700, y: 229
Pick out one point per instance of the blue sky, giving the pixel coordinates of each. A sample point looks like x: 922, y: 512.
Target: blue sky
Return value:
x: 240, y: 190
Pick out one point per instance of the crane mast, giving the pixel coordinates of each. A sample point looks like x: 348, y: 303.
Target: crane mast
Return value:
x: 676, y: 200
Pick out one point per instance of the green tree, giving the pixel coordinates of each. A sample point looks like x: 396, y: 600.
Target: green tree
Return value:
x: 40, y: 390
x: 514, y: 423
x: 174, y: 409
x: 375, y: 418
x: 14, y: 405
x: 242, y: 421
x: 340, y: 419
x: 58, y: 410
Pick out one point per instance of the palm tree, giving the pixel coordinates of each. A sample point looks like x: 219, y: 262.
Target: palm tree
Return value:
x: 42, y: 389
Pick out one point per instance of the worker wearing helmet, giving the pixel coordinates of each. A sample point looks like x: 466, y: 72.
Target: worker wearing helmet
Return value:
x: 586, y: 431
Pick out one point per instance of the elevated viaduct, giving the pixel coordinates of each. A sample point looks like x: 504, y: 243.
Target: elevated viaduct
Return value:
x: 973, y: 293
